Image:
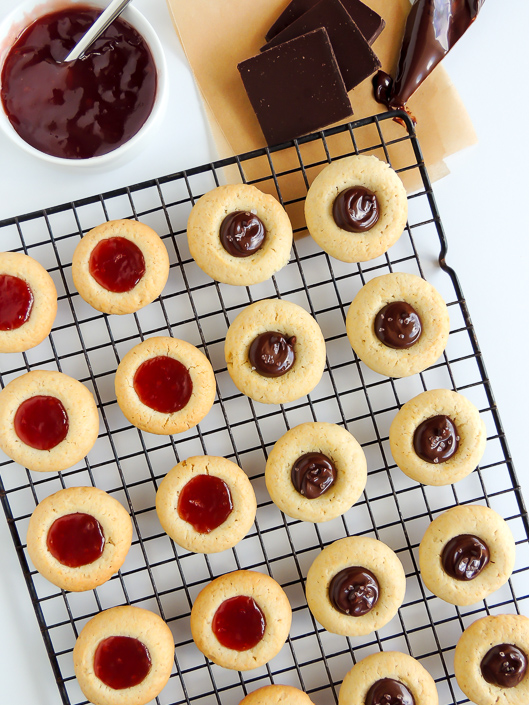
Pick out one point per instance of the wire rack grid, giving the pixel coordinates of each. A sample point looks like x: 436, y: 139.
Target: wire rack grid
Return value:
x: 129, y: 464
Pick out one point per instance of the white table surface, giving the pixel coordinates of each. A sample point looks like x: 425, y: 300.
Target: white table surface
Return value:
x: 483, y: 205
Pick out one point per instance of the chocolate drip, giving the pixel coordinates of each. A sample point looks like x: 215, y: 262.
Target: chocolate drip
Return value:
x: 388, y: 691
x: 436, y: 440
x: 464, y: 557
x: 354, y: 591
x: 272, y: 354
x: 432, y: 28
x: 398, y: 325
x: 505, y: 665
x: 356, y: 210
x: 242, y: 234
x: 313, y: 474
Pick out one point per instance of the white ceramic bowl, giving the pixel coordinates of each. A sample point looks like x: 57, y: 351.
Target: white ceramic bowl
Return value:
x: 30, y: 10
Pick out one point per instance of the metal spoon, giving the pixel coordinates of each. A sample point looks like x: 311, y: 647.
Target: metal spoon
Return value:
x: 108, y: 16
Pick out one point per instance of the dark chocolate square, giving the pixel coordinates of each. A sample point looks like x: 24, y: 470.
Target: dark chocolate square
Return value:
x: 354, y: 55
x: 296, y: 87
x: 367, y: 20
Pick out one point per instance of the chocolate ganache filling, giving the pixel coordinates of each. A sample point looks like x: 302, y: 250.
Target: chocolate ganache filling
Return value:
x: 398, y: 325
x: 388, y: 691
x: 356, y: 209
x: 313, y: 474
x: 436, y: 440
x: 242, y: 234
x: 354, y: 591
x: 464, y: 557
x: 272, y: 354
x: 505, y: 665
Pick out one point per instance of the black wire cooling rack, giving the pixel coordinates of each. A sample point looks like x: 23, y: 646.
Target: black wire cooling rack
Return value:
x: 129, y: 464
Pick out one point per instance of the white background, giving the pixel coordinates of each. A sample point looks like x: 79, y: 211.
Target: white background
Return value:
x: 483, y: 205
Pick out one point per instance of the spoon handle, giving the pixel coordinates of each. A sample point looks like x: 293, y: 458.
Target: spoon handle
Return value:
x: 106, y: 18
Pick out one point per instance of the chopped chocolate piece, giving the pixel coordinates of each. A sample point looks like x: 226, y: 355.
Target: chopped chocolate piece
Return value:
x: 296, y: 87
x: 432, y: 29
x: 366, y: 19
x: 354, y: 55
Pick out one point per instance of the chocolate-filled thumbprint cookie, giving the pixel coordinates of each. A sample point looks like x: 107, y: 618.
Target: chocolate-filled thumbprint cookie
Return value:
x: 388, y: 678
x: 239, y: 235
x: 120, y: 266
x: 356, y: 208
x: 355, y: 586
x: 276, y: 695
x: 241, y: 620
x: 490, y: 660
x: 48, y: 421
x: 79, y: 537
x: 466, y: 554
x: 28, y: 302
x: 316, y: 472
x: 206, y: 504
x: 438, y: 437
x: 123, y: 656
x: 275, y: 351
x: 165, y: 385
x: 398, y: 324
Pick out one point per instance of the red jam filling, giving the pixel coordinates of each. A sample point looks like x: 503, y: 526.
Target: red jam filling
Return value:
x: 16, y: 302
x: 117, y: 264
x: 238, y: 623
x: 41, y: 422
x: 205, y: 503
x: 76, y: 539
x: 121, y: 662
x: 83, y: 108
x: 163, y: 384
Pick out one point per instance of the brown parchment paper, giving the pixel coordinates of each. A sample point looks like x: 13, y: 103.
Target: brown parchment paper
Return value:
x: 218, y: 34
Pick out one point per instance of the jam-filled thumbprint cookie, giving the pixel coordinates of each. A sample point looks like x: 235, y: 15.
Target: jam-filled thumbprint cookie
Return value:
x: 438, y: 437
x: 120, y: 266
x: 316, y: 472
x: 398, y: 324
x: 165, y: 385
x: 276, y: 695
x: 241, y: 620
x: 48, y: 421
x: 466, y: 554
x: 355, y: 585
x: 490, y: 660
x: 28, y: 302
x: 206, y: 504
x: 275, y: 351
x: 388, y: 678
x: 79, y: 537
x: 123, y: 656
x: 239, y: 235
x: 356, y: 208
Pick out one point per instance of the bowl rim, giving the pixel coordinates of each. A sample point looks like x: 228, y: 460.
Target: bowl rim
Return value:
x: 28, y: 11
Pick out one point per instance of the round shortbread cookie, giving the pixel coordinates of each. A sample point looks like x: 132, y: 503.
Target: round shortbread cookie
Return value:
x: 205, y: 244
x: 134, y: 623
x: 427, y: 303
x: 468, y: 520
x: 338, y: 446
x: 393, y: 665
x: 291, y: 321
x: 39, y: 313
x: 149, y: 286
x: 115, y: 525
x: 200, y: 376
x: 471, y: 433
x: 231, y: 530
x: 365, y: 553
x: 269, y: 598
x: 369, y: 173
x: 276, y: 695
x: 82, y: 419
x: 475, y: 643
